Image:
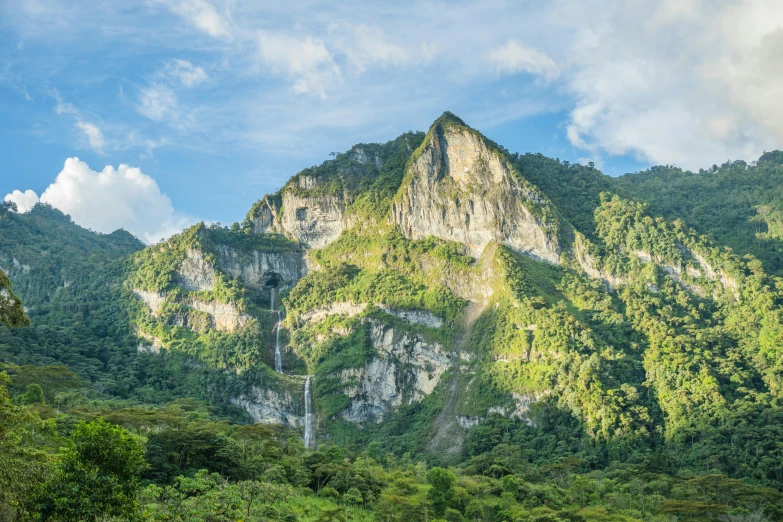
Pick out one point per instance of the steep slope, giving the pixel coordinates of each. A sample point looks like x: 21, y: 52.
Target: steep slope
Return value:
x: 317, y: 204
x: 214, y: 294
x: 460, y: 187
x: 72, y: 282
x: 11, y: 311
x: 43, y: 251
x: 738, y: 204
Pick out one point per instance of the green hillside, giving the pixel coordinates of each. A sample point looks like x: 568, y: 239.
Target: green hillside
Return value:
x: 477, y: 335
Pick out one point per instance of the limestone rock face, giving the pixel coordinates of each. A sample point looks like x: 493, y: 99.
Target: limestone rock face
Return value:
x: 152, y: 299
x: 422, y: 317
x: 314, y: 221
x: 362, y: 155
x: 225, y: 316
x: 405, y: 370
x: 195, y: 272
x: 463, y: 190
x: 255, y: 268
x: 268, y: 406
x: 343, y: 308
x: 264, y: 217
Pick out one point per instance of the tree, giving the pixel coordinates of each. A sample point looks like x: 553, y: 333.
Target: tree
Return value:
x: 52, y: 379
x: 33, y: 395
x: 97, y: 477
x: 11, y: 312
x: 22, y: 468
x: 353, y: 497
x: 442, y: 490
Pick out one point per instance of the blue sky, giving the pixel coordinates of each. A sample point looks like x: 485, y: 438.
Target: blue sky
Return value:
x: 210, y: 104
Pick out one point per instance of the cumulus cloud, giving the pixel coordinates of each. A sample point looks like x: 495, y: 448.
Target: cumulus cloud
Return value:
x: 94, y: 135
x: 24, y: 201
x: 186, y: 73
x: 105, y: 201
x: 306, y: 61
x: 514, y: 57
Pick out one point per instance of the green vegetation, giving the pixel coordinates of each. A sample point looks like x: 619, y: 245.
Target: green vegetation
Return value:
x: 653, y: 395
x: 11, y: 311
x: 182, y: 463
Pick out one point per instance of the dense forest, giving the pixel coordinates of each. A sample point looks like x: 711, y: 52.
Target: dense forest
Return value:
x: 639, y: 378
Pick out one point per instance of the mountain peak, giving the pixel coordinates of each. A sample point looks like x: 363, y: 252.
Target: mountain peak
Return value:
x: 448, y: 118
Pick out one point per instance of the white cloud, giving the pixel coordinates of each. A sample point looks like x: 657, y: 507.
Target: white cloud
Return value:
x: 687, y: 83
x: 105, y: 201
x: 94, y: 135
x: 24, y: 201
x: 514, y: 57
x: 186, y: 73
x: 364, y: 46
x: 307, y: 62
x: 202, y: 15
x: 158, y: 103
x: 62, y: 106
x: 691, y: 82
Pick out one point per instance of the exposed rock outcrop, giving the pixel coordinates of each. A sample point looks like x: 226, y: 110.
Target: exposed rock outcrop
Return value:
x: 462, y: 189
x: 271, y: 407
x: 422, y: 317
x: 404, y: 371
x: 361, y: 155
x: 224, y: 317
x: 314, y: 220
x: 307, y: 216
x: 255, y: 268
x: 153, y: 300
x: 195, y: 272
x: 343, y: 308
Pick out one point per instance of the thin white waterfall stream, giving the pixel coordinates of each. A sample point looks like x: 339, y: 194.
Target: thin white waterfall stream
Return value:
x: 272, y: 300
x: 308, y: 432
x: 278, y: 355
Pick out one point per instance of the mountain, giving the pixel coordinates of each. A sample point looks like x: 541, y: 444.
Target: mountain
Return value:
x: 439, y: 297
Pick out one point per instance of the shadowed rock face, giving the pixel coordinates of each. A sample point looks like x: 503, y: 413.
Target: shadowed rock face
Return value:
x: 463, y: 190
x: 256, y: 269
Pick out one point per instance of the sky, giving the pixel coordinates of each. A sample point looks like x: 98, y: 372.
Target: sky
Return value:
x: 153, y: 115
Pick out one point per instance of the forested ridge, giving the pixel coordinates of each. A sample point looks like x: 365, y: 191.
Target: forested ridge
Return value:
x: 644, y: 387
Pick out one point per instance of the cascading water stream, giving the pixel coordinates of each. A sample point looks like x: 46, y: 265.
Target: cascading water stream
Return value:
x: 278, y: 355
x: 308, y: 431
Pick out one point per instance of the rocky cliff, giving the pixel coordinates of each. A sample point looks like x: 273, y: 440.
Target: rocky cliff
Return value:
x: 404, y: 369
x: 260, y: 269
x: 461, y: 188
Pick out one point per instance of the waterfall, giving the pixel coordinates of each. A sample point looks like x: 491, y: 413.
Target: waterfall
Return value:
x: 272, y: 300
x: 309, y: 442
x: 278, y: 356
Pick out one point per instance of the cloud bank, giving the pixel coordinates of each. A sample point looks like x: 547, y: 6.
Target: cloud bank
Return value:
x: 108, y: 200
